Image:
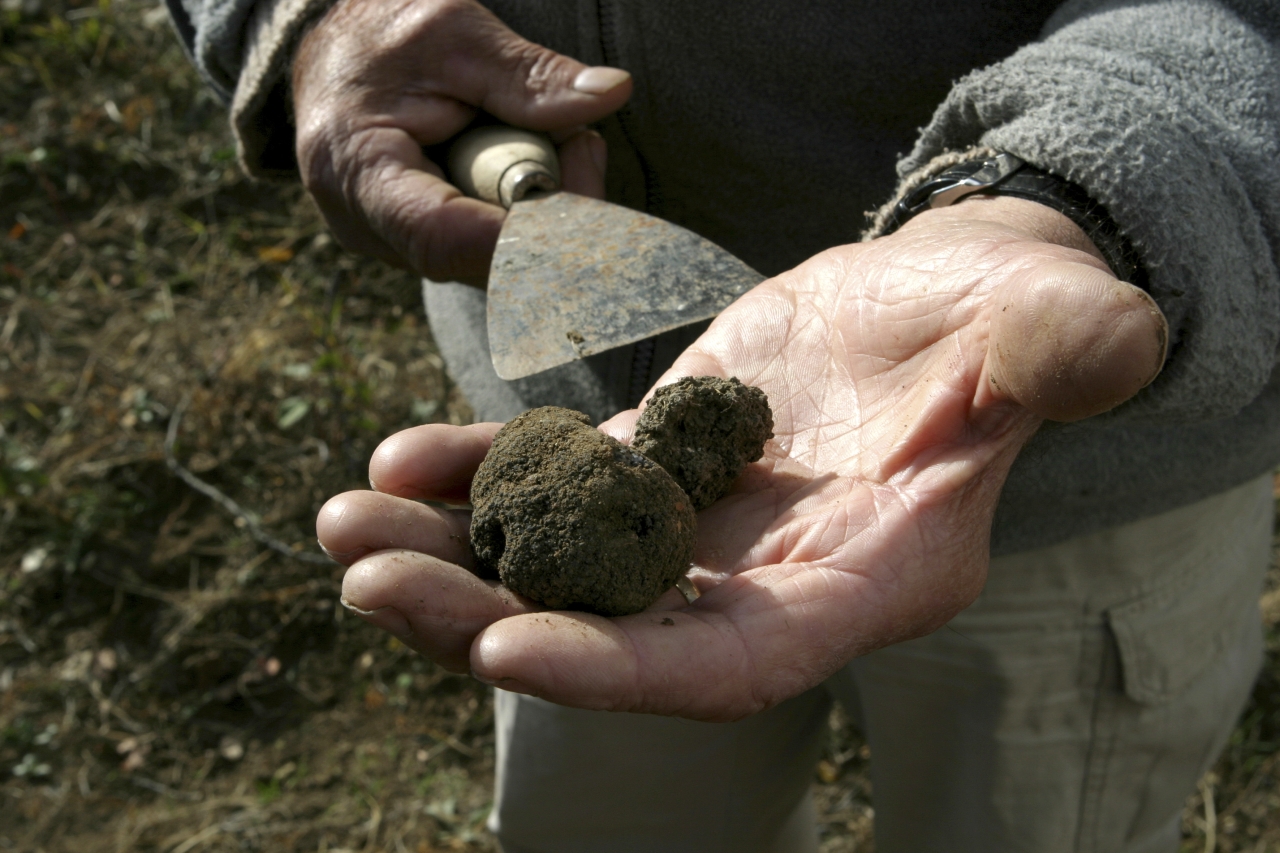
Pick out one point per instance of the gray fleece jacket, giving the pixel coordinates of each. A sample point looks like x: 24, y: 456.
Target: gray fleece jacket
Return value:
x: 771, y: 128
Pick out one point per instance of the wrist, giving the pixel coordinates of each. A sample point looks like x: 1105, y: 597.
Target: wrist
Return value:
x: 1030, y: 219
x: 957, y: 177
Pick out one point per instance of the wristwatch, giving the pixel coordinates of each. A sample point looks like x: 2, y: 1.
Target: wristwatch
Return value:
x: 1005, y: 174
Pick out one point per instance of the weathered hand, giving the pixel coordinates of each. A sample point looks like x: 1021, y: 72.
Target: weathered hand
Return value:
x: 376, y: 80
x: 905, y: 374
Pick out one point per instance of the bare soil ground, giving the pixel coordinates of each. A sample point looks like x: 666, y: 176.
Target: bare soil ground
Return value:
x: 176, y: 673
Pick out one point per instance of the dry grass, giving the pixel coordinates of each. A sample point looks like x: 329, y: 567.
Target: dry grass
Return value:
x: 167, y: 681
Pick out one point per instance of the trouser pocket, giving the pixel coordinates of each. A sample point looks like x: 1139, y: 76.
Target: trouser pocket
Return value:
x: 1076, y: 704
x: 1182, y: 660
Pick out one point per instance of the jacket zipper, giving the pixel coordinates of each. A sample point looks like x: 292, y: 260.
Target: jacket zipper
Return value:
x: 642, y: 352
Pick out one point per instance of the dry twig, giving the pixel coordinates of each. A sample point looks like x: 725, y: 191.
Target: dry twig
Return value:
x: 217, y: 496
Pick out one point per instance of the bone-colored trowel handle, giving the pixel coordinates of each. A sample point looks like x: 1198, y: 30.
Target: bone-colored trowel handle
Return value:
x: 501, y: 164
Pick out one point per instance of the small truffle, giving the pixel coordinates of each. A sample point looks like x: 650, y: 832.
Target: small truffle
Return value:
x: 704, y: 431
x: 569, y: 517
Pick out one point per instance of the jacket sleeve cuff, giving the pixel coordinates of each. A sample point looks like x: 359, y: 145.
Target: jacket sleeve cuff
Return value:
x: 261, y: 109
x: 1128, y: 103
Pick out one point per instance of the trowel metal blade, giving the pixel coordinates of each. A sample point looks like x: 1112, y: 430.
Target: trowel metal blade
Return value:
x: 573, y: 276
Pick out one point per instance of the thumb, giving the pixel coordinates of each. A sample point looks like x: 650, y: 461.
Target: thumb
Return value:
x: 1068, y: 340
x: 528, y: 85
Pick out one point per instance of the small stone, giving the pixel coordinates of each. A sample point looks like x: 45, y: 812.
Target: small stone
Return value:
x: 231, y: 748
x: 34, y: 560
x: 571, y: 518
x: 704, y: 430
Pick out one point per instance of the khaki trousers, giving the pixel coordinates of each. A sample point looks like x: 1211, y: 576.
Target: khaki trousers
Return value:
x: 1072, y: 707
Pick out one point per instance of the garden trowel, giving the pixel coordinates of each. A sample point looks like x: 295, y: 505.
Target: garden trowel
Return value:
x: 573, y: 276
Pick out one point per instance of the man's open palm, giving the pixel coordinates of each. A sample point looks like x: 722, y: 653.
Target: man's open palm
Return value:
x: 904, y: 375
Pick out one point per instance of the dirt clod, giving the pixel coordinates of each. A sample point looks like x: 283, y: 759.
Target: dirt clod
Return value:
x: 704, y: 430
x: 573, y: 519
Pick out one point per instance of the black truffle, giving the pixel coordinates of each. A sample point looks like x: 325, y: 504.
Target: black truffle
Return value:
x: 704, y: 431
x: 569, y: 517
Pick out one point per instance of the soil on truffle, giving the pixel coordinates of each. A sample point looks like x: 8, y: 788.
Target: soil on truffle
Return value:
x: 573, y: 519
x: 704, y: 430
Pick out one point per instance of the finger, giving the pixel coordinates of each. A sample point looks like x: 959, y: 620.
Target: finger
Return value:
x: 587, y: 661
x: 434, y: 462
x: 528, y: 85
x: 459, y: 50
x: 622, y: 426
x: 733, y: 653
x: 583, y: 158
x: 433, y: 607
x: 1069, y: 341
x: 396, y: 197
x: 354, y: 524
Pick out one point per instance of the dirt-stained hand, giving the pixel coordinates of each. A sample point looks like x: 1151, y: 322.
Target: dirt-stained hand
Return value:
x: 376, y: 80
x: 905, y: 374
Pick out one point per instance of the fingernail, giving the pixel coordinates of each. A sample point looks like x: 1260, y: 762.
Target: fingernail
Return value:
x: 343, y: 556
x: 599, y: 80
x: 387, y: 618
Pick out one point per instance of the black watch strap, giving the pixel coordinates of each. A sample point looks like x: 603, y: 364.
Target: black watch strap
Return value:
x: 1005, y: 174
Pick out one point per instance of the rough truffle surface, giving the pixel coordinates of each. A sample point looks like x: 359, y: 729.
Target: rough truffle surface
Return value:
x: 704, y: 430
x: 571, y: 518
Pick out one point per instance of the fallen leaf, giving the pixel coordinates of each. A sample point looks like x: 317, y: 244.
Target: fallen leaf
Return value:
x: 275, y: 254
